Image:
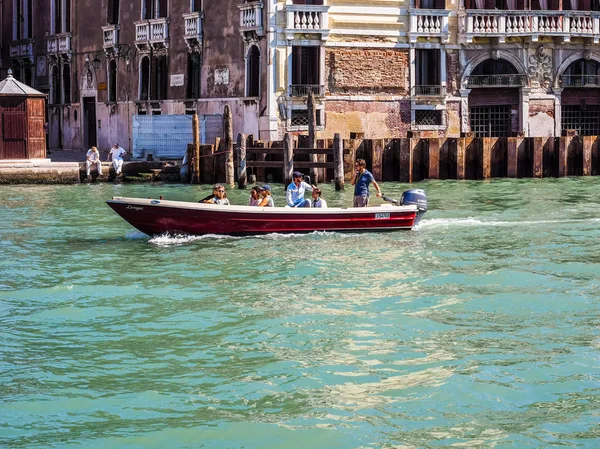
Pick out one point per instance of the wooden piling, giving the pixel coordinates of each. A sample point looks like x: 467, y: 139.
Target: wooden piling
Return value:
x: 512, y: 156
x: 563, y: 154
x: 228, y: 131
x: 338, y: 162
x: 376, y: 159
x: 241, y: 152
x: 434, y: 158
x: 207, y: 172
x: 588, y: 143
x: 406, y: 159
x: 486, y: 160
x: 538, y: 157
x: 312, y: 135
x: 196, y: 152
x: 288, y: 158
x: 350, y: 158
x: 461, y: 151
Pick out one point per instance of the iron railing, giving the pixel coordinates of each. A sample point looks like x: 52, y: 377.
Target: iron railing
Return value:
x: 428, y: 91
x: 512, y: 80
x: 580, y: 80
x: 302, y: 90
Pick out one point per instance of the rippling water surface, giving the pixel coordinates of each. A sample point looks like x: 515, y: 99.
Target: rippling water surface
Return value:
x: 478, y: 329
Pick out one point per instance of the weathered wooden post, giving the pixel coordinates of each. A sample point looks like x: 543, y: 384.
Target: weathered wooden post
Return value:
x: 241, y: 151
x: 196, y: 135
x: 338, y: 161
x: 406, y: 159
x: 512, y: 157
x: 434, y: 158
x: 461, y: 152
x: 588, y: 143
x: 312, y: 134
x: 538, y: 156
x: 228, y: 130
x: 288, y: 158
x: 486, y: 162
x: 563, y: 155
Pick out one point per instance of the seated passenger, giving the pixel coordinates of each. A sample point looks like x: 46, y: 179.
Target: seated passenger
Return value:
x: 295, y: 191
x: 317, y: 200
x: 267, y: 199
x: 254, y: 196
x: 219, y: 196
x: 210, y: 198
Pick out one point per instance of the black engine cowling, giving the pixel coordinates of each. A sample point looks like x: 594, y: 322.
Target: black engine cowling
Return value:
x: 418, y: 198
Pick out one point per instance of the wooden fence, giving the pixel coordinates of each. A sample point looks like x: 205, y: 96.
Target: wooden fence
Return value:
x: 409, y: 159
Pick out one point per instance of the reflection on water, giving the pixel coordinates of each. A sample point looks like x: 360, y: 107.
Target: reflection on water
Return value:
x: 477, y: 329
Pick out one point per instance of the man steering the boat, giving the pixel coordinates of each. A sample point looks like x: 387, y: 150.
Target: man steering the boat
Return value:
x: 295, y: 191
x: 361, y: 180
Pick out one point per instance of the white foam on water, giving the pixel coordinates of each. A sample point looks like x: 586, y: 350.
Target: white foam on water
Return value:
x: 472, y: 222
x: 182, y: 239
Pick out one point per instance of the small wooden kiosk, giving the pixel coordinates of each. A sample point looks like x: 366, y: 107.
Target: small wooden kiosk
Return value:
x: 22, y: 119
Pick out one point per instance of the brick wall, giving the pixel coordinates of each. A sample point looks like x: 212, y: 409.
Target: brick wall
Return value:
x: 370, y: 119
x: 366, y: 71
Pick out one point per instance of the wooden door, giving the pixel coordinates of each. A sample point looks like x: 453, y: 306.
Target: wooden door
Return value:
x: 36, y: 145
x: 14, y: 128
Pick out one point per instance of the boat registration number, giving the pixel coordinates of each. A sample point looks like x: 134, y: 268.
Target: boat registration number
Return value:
x: 382, y: 216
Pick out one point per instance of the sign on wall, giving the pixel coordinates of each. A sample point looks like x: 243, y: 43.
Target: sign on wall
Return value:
x: 101, y: 86
x: 177, y: 80
x: 221, y: 76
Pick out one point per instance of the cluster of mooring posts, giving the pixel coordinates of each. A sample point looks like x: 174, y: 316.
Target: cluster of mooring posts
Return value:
x: 398, y: 159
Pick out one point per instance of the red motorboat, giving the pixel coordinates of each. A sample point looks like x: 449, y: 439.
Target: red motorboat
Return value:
x: 153, y: 217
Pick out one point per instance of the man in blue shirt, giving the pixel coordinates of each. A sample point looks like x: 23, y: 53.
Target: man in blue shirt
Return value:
x: 362, y: 179
x: 295, y: 191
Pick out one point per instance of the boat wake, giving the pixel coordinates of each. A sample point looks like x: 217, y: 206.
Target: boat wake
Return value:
x: 182, y: 239
x: 472, y: 222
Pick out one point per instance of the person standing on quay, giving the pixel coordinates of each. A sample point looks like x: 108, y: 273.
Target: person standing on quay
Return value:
x: 295, y: 191
x: 116, y: 153
x: 93, y: 158
x: 362, y: 179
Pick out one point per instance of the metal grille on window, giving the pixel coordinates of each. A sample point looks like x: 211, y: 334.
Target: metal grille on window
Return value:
x: 428, y: 117
x: 583, y: 119
x: 300, y: 117
x: 491, y: 121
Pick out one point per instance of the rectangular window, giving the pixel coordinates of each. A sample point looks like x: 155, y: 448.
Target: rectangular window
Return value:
x: 112, y: 13
x: 299, y: 118
x: 431, y: 4
x: 428, y: 117
x: 305, y: 69
x: 427, y: 76
x: 491, y: 121
x: 582, y: 118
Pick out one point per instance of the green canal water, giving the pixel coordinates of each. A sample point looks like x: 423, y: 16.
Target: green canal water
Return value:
x: 479, y: 329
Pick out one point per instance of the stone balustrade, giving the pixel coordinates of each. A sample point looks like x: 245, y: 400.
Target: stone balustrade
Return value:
x: 110, y: 35
x: 498, y: 23
x: 193, y: 25
x: 251, y: 19
x: 307, y: 19
x: 152, y: 33
x: 22, y: 48
x: 429, y: 23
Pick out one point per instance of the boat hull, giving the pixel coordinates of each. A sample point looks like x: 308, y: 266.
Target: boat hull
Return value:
x: 154, y: 217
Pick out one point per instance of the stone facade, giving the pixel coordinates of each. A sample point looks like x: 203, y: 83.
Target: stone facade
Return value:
x: 376, y: 70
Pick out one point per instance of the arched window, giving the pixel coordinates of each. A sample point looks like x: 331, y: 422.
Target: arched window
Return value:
x: 145, y: 79
x: 112, y: 81
x: 54, y: 85
x: 193, y: 79
x: 162, y: 74
x: 495, y: 67
x: 253, y: 72
x: 66, y: 77
x: 580, y: 73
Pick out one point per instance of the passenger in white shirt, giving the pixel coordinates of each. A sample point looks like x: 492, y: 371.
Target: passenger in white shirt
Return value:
x: 93, y: 158
x: 116, y: 153
x: 317, y: 201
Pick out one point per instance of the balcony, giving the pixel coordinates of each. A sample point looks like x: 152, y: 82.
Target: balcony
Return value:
x: 302, y: 90
x: 251, y: 19
x: 152, y: 34
x: 110, y: 34
x: 192, y: 31
x: 429, y: 91
x: 501, y: 24
x: 306, y: 19
x: 587, y: 81
x: 22, y: 48
x: 512, y: 80
x: 429, y: 23
x: 59, y: 45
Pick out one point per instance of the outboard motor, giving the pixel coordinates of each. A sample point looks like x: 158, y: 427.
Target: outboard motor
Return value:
x: 418, y: 198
